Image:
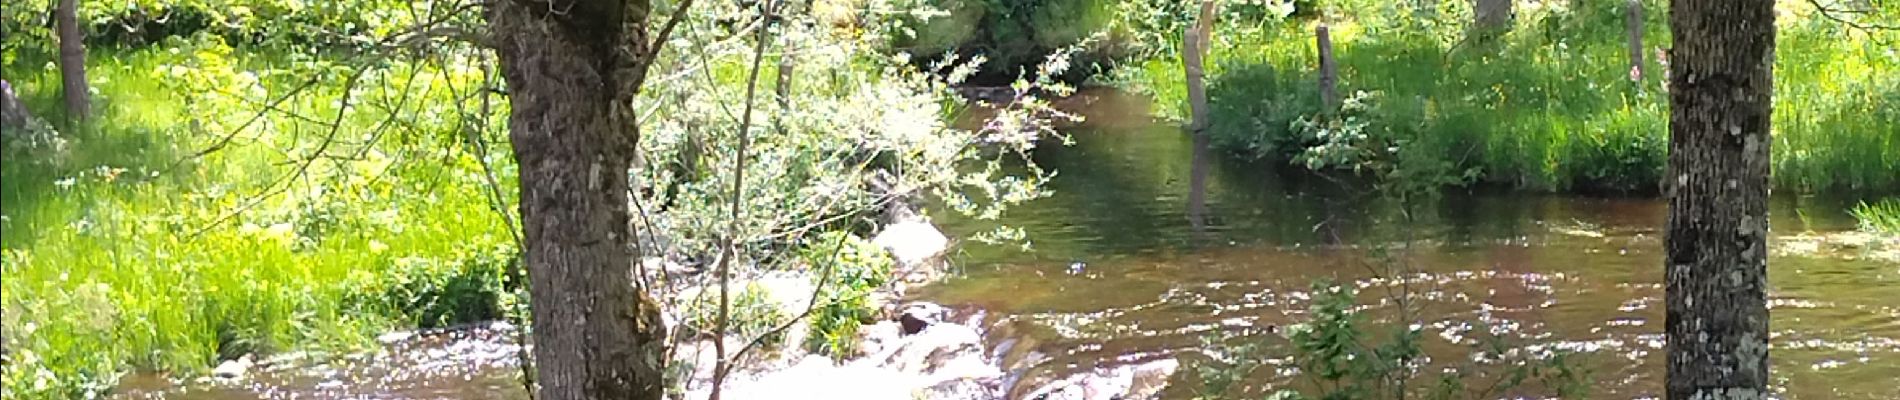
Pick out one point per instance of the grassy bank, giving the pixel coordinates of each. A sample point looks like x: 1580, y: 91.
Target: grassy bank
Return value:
x: 1550, y: 105
x: 123, y: 252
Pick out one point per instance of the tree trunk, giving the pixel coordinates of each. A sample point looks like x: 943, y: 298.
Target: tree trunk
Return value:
x: 572, y: 72
x: 1633, y: 21
x: 14, y: 117
x: 1717, y: 259
x: 72, y: 61
x: 1328, y: 71
x: 1193, y: 54
x: 1492, y: 15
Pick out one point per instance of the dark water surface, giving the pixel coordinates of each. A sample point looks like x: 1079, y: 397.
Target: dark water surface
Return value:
x: 1548, y: 272
x: 1574, y: 273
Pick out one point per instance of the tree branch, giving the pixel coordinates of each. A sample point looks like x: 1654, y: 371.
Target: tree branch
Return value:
x: 724, y: 366
x: 1830, y: 13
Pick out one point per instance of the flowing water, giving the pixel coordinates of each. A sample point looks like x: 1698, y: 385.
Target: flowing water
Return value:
x: 1546, y: 272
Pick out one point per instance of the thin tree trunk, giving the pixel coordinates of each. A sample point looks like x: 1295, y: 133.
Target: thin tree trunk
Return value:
x: 1492, y: 15
x: 1328, y: 70
x: 72, y: 61
x: 1634, y: 23
x: 572, y: 75
x: 1193, y: 53
x: 1716, y: 246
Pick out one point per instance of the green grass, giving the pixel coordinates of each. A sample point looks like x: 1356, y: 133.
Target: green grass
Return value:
x: 119, y: 257
x: 1880, y: 217
x: 1548, y: 106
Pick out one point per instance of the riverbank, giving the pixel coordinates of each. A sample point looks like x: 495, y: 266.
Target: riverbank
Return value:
x: 1552, y: 105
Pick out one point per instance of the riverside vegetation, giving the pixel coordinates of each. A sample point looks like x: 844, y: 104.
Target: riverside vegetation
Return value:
x: 268, y: 176
x: 260, y: 176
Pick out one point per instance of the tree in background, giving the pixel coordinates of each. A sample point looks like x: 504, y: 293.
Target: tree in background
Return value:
x: 72, y: 61
x: 573, y: 68
x: 1721, y: 87
x: 1492, y: 15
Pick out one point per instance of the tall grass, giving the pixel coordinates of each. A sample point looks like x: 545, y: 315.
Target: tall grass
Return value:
x: 122, y: 253
x: 1881, y: 216
x: 1549, y: 105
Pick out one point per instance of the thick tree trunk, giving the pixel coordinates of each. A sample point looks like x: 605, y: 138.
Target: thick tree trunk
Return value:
x: 1717, y: 259
x: 72, y: 61
x: 571, y: 75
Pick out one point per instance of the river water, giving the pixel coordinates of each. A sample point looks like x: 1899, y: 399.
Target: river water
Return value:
x: 1580, y: 274
x: 1575, y: 273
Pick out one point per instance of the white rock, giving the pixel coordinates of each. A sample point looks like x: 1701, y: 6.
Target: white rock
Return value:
x: 232, y: 369
x: 912, y: 243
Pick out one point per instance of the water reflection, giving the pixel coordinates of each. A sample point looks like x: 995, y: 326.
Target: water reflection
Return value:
x: 1233, y: 246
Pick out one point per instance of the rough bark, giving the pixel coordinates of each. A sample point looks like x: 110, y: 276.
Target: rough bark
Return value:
x: 572, y: 72
x: 72, y: 61
x: 1717, y: 315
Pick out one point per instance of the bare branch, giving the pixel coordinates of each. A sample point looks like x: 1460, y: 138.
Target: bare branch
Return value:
x: 1831, y: 13
x: 659, y: 40
x: 724, y: 367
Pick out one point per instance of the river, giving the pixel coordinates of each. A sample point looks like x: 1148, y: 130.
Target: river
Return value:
x: 1548, y: 271
x: 1580, y: 274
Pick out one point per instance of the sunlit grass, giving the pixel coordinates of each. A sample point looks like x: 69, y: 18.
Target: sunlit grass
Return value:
x: 119, y: 256
x: 1549, y: 106
x: 1881, y: 216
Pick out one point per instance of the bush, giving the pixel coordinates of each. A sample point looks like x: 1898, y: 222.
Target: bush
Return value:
x: 431, y: 293
x: 753, y: 315
x: 849, y: 269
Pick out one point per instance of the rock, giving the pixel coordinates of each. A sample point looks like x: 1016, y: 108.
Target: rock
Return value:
x: 1151, y: 378
x: 817, y: 377
x: 1128, y: 382
x: 917, y: 316
x: 954, y: 351
x: 915, y: 244
x: 878, y: 337
x: 232, y: 369
x: 962, y: 389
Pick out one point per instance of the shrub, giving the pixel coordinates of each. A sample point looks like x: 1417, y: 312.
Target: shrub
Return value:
x: 753, y: 314
x: 432, y: 293
x: 849, y: 269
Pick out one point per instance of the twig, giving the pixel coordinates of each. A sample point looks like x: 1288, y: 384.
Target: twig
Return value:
x: 279, y: 186
x: 659, y: 40
x: 226, y: 140
x: 1829, y: 13
x: 724, y: 367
